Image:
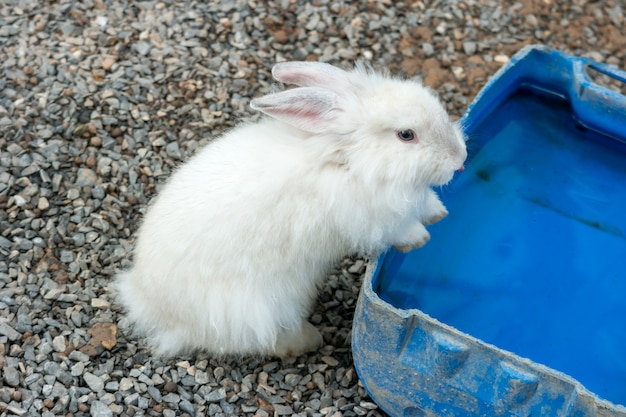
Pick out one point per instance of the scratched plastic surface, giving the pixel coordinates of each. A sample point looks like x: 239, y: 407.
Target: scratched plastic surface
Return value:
x: 532, y: 257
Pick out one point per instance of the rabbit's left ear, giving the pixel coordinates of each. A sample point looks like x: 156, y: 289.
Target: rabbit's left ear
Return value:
x: 308, y: 108
x: 307, y: 74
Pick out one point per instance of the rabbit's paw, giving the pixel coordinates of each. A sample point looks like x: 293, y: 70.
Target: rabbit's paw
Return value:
x: 407, y: 248
x: 436, y: 217
x: 292, y: 344
x: 434, y: 209
x: 417, y: 237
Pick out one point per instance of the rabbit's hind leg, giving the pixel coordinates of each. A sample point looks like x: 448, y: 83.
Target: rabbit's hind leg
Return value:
x: 291, y: 343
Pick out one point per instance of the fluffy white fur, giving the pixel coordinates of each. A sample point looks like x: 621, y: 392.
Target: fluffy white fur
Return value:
x: 230, y: 254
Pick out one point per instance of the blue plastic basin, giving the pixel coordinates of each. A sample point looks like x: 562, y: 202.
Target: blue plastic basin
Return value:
x: 520, y: 296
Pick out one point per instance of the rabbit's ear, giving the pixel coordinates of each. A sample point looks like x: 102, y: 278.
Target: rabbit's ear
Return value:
x: 309, y: 108
x: 308, y: 74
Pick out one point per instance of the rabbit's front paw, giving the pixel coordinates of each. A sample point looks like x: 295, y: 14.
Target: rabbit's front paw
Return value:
x: 407, y: 248
x: 434, y: 210
x: 436, y: 217
x: 292, y: 344
x: 417, y: 237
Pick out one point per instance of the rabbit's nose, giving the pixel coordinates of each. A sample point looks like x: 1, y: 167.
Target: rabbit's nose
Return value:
x: 461, y: 169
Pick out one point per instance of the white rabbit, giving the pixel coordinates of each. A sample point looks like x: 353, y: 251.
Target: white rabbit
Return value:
x: 230, y: 254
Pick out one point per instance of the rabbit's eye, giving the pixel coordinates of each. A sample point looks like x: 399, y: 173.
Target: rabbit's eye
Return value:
x: 407, y: 135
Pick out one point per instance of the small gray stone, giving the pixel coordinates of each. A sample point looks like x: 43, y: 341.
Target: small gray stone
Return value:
x: 98, y: 192
x: 171, y: 398
x: 218, y: 373
x: 22, y: 161
x: 76, y: 316
x: 108, y: 120
x: 126, y: 384
x: 469, y: 47
x: 330, y: 361
x: 67, y: 256
x: 13, y: 409
x: 155, y: 394
x: 60, y: 405
x: 65, y: 378
x: 43, y: 204
x: 58, y: 391
x: 214, y: 409
x: 359, y: 411
x: 326, y: 399
x: 368, y: 405
x: 11, y: 376
x: 173, y: 151
x: 86, y: 177
x: 32, y: 378
x: 99, y: 409
x: 283, y: 410
x: 228, y: 408
x: 131, y: 399
x: 58, y: 343
x: 4, y: 242
x: 188, y: 381
x: 531, y: 20
x: 142, y: 48
x: 202, y: 378
x: 45, y: 133
x: 145, y: 379
x: 78, y: 368
x: 52, y: 368
x: 187, y: 407
x: 30, y: 170
x: 428, y: 49
x: 8, y: 30
x: 79, y: 239
x: 216, y: 395
x: 94, y: 382
x: 318, y: 379
x: 292, y: 379
x: 9, y: 332
x: 53, y: 294
x: 112, y: 386
x: 143, y: 403
x: 20, y: 201
x: 78, y: 356
x: 104, y: 165
x: 107, y: 398
x: 315, y: 403
x: 357, y: 267
x: 24, y: 322
x: 73, y: 194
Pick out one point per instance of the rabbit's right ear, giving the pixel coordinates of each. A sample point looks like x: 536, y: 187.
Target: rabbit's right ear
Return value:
x: 309, y: 74
x: 308, y: 108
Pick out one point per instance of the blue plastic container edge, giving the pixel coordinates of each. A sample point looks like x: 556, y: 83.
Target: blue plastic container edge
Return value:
x: 594, y: 106
x: 561, y: 394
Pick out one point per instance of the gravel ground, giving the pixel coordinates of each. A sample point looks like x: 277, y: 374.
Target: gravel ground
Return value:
x: 101, y: 99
